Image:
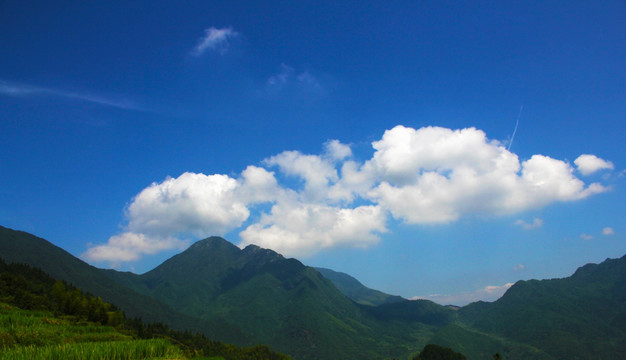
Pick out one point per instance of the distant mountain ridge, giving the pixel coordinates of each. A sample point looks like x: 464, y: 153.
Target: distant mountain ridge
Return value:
x: 586, y: 312
x: 356, y: 291
x: 256, y: 296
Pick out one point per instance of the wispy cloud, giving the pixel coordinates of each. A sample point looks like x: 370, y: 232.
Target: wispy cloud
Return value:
x: 289, y: 78
x: 608, y: 231
x: 281, y: 78
x: 519, y: 267
x: 488, y: 293
x: 214, y: 39
x: 537, y: 223
x: 25, y: 90
x: 585, y: 236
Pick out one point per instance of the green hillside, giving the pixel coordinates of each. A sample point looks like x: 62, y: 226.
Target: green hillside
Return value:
x: 357, y: 292
x: 579, y: 317
x: 42, y: 318
x: 278, y: 301
x: 22, y: 247
x: 28, y: 334
x: 255, y: 296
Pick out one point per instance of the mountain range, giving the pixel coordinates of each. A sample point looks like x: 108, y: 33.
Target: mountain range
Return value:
x: 256, y: 296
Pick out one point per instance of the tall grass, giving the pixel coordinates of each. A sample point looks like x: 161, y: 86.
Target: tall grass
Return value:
x: 109, y: 350
x: 23, y: 328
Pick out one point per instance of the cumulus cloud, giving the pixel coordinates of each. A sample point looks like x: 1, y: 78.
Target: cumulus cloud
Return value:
x: 537, y: 223
x: 488, y: 293
x: 314, y: 202
x: 194, y: 203
x: 131, y: 246
x: 608, y: 231
x: 437, y: 175
x: 300, y: 229
x: 336, y: 150
x: 586, y: 236
x: 588, y: 164
x: 214, y: 39
x: 316, y: 172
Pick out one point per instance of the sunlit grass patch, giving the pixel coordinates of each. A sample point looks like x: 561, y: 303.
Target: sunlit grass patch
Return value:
x: 109, y: 350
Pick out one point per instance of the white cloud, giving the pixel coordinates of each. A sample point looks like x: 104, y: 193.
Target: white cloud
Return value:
x: 588, y: 164
x: 192, y: 203
x: 258, y: 186
x: 488, y: 293
x: 131, y: 246
x: 436, y: 175
x: 316, y: 172
x: 302, y: 229
x: 419, y: 176
x: 537, y: 223
x: 519, y: 267
x: 586, y: 236
x: 336, y: 150
x: 608, y: 231
x: 214, y: 39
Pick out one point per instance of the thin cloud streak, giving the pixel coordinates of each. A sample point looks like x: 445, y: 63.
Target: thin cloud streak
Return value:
x: 24, y: 90
x: 214, y: 39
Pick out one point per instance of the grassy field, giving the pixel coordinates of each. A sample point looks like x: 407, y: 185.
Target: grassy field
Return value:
x: 27, y: 334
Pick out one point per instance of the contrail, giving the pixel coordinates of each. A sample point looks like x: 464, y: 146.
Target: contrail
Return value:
x: 516, y: 124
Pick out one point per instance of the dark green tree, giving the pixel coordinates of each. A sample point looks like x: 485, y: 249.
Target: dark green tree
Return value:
x: 436, y: 352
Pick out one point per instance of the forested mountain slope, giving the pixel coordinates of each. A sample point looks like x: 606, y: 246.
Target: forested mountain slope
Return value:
x: 359, y: 293
x: 256, y: 296
x: 579, y: 317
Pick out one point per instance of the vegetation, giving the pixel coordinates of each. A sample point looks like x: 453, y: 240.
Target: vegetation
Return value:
x: 275, y: 301
x: 436, y: 352
x: 255, y: 296
x: 41, y: 318
x: 582, y: 316
x: 122, y: 350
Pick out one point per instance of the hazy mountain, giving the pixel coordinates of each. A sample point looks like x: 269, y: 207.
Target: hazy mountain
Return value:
x: 579, y: 317
x: 359, y: 293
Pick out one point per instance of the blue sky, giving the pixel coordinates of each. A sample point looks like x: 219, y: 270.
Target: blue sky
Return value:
x: 372, y: 138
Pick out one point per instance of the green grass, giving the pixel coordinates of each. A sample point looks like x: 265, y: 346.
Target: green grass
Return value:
x: 39, y: 328
x: 27, y: 334
x: 109, y: 350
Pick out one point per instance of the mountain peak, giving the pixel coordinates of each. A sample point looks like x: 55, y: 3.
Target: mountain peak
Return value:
x: 211, y: 254
x: 213, y: 242
x: 257, y: 252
